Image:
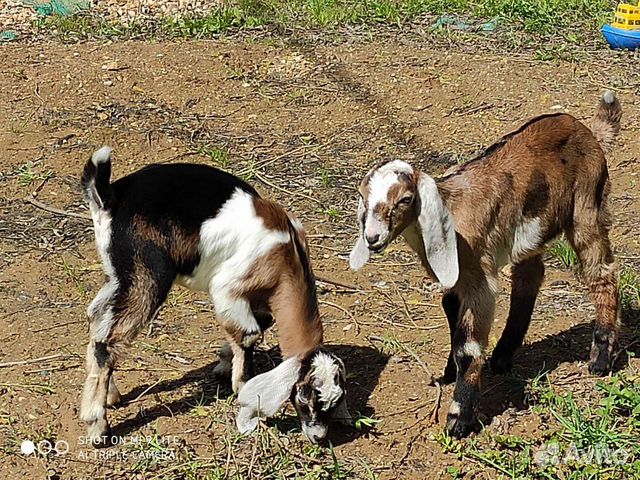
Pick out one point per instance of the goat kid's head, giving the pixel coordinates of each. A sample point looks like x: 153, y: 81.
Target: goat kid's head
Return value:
x: 394, y: 195
x: 315, y: 385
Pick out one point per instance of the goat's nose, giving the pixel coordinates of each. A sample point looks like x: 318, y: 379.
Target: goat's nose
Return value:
x: 372, y: 239
x: 315, y: 438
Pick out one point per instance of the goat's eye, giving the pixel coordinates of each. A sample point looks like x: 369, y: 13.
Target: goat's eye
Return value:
x: 405, y: 201
x: 304, y: 395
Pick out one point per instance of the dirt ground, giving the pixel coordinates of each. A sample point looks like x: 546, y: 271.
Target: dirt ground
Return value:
x: 303, y: 124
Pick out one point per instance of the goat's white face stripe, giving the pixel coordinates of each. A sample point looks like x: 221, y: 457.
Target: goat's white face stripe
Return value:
x: 381, y: 181
x: 325, y: 369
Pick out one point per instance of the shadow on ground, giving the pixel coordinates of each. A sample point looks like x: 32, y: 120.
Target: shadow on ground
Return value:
x: 364, y: 364
x: 501, y: 392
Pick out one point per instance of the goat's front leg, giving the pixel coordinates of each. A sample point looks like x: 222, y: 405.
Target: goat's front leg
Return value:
x: 242, y: 358
x: 526, y: 279
x: 451, y: 307
x: 469, y: 342
x: 243, y: 331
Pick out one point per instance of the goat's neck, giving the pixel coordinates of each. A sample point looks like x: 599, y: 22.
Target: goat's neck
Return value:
x: 453, y: 188
x: 298, y: 319
x: 413, y: 236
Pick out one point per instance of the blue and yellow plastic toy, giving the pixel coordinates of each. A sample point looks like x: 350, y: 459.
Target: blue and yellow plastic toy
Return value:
x: 624, y: 32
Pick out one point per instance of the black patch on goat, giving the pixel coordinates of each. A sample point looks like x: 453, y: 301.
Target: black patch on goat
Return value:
x: 601, y: 362
x: 537, y: 196
x: 101, y: 354
x: 183, y: 194
x: 169, y: 197
x: 451, y: 307
x: 600, y: 188
x: 95, y: 183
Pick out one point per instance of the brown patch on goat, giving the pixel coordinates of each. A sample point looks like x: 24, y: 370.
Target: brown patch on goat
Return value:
x: 273, y: 216
x: 134, y: 308
x: 181, y: 245
x: 472, y: 375
x: 283, y: 281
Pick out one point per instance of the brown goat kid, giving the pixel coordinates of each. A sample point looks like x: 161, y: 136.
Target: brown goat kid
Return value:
x: 546, y: 178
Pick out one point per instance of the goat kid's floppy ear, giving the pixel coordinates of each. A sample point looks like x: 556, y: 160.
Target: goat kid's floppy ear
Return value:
x: 438, y: 232
x: 265, y: 394
x: 360, y: 253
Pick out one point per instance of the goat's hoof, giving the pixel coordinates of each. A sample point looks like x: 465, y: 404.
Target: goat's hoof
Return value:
x: 501, y: 363
x: 459, y: 427
x: 600, y: 367
x: 222, y: 369
x: 113, y: 398
x: 100, y: 438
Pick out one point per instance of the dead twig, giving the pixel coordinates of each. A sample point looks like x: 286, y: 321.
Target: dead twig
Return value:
x: 146, y: 390
x: 288, y: 192
x: 58, y: 325
x: 348, y: 286
x: 345, y: 311
x: 57, y: 211
x: 32, y: 360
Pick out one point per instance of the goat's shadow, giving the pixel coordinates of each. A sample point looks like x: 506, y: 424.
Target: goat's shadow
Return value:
x: 501, y: 392
x: 364, y: 367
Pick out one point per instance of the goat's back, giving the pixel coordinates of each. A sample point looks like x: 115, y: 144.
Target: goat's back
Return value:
x: 533, y: 176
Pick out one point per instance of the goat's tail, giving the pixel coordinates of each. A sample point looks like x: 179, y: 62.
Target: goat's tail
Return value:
x: 96, y: 179
x: 605, y: 124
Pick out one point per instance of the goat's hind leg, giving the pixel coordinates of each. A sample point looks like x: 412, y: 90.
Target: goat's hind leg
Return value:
x: 526, y: 279
x: 97, y: 309
x: 599, y: 273
x: 115, y: 327
x: 94, y: 396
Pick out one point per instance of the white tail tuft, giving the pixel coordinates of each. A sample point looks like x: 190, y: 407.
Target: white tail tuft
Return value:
x: 609, y: 97
x: 102, y: 155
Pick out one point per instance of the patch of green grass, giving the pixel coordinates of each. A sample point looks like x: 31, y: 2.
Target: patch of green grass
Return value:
x: 561, y: 250
x: 73, y: 274
x: 565, y: 17
x: 363, y: 422
x: 547, y: 16
x: 326, y: 179
x: 27, y: 174
x: 331, y: 212
x: 629, y: 287
x: 216, y: 154
x: 588, y: 438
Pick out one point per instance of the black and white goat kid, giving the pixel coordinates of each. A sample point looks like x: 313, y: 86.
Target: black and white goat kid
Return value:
x: 207, y: 230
